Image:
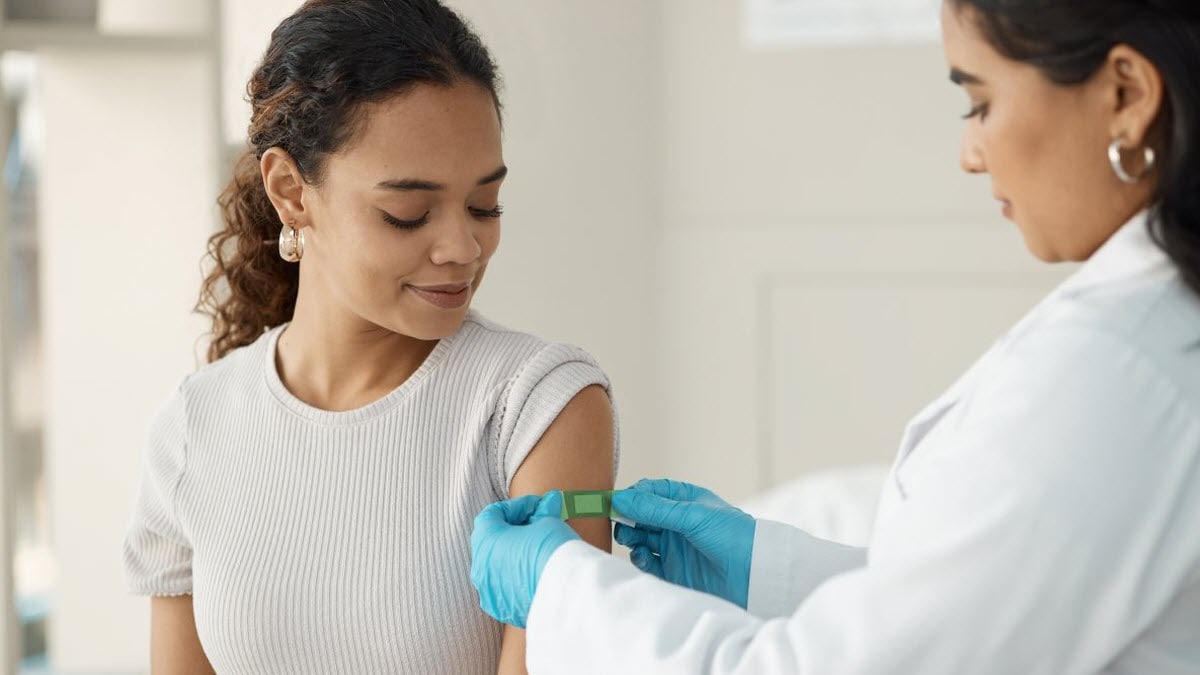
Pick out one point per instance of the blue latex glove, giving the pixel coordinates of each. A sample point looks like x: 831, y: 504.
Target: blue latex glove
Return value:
x: 688, y: 536
x: 510, y: 545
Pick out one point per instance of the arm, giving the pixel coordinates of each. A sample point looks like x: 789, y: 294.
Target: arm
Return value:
x: 1043, y: 537
x: 788, y: 564
x: 575, y: 453
x: 174, y: 645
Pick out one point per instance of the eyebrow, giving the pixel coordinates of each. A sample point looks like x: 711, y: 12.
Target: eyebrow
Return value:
x: 961, y: 77
x: 418, y: 185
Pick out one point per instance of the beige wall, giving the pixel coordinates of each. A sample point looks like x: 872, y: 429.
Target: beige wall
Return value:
x: 772, y: 252
x: 579, y: 257
x: 125, y: 206
x: 134, y: 175
x: 826, y: 268
x: 582, y: 101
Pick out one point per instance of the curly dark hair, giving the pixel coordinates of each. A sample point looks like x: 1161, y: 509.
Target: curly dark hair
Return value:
x: 1069, y: 40
x: 324, y: 63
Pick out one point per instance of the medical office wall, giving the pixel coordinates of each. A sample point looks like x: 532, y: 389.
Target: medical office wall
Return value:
x: 769, y: 248
x: 826, y: 268
x: 141, y: 110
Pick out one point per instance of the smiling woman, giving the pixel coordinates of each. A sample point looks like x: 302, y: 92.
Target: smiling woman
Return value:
x: 307, y: 497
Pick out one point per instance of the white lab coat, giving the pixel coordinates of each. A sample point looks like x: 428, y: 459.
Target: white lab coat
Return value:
x: 1043, y: 516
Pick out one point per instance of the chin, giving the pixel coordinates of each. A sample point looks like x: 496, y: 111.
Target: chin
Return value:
x: 1038, y: 246
x: 432, y: 324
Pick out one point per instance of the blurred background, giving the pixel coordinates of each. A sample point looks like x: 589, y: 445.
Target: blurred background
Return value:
x: 750, y: 211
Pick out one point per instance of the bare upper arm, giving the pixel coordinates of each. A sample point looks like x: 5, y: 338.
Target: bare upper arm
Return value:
x: 174, y: 644
x: 575, y: 453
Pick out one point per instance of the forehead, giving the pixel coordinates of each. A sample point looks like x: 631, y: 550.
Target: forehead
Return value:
x: 430, y: 132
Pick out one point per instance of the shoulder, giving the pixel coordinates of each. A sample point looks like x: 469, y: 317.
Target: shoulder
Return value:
x: 1108, y: 377
x: 231, y: 372
x: 513, y: 356
x: 1147, y: 327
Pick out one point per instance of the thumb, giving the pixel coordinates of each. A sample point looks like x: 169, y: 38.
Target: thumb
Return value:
x: 518, y: 511
x: 645, y: 508
x: 550, y: 505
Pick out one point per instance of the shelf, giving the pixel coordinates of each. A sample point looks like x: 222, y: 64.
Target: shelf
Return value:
x: 35, y: 35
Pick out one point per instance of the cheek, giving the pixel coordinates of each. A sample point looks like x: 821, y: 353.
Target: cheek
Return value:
x: 489, y: 241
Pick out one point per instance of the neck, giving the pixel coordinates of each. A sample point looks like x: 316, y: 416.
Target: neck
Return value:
x: 335, y: 360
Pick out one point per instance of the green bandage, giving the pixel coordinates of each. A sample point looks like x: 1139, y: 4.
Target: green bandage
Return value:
x: 588, y: 504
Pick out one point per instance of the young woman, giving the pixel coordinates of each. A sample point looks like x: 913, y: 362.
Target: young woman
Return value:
x: 1043, y: 515
x: 307, y: 498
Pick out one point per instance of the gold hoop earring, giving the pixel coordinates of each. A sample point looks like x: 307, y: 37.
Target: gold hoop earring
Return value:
x: 291, y: 243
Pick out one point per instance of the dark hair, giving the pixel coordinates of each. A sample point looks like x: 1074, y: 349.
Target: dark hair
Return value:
x: 324, y: 63
x: 1069, y: 40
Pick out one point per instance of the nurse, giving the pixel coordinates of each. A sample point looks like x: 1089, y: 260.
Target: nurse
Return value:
x: 1043, y: 515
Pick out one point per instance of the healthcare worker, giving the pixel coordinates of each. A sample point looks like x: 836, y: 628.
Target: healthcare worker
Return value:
x: 1043, y: 515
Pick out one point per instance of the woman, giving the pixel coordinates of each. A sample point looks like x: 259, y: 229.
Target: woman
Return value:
x: 1043, y: 515
x: 307, y: 497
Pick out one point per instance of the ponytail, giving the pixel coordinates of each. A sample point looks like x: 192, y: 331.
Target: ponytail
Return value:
x: 250, y: 288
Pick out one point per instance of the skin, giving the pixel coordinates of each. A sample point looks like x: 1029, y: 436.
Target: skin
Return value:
x: 431, y: 156
x: 1045, y: 145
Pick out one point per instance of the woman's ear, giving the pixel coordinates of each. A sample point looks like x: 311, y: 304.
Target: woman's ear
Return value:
x: 1139, y: 95
x: 284, y: 184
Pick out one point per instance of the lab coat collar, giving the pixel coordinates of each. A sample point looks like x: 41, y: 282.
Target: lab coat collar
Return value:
x: 1127, y: 253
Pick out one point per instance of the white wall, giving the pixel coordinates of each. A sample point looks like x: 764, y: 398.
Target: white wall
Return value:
x: 582, y: 99
x: 581, y: 227
x: 772, y: 252
x: 125, y: 206
x: 826, y: 268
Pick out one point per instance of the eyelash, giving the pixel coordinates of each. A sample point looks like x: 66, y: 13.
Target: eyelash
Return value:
x: 979, y: 111
x: 424, y: 220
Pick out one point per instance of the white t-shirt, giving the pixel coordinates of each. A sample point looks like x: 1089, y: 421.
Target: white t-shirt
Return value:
x: 338, y: 542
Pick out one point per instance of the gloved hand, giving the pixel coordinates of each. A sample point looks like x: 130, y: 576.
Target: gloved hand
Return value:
x: 688, y: 536
x: 510, y: 545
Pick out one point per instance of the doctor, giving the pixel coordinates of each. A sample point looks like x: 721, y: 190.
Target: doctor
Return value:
x: 1043, y: 515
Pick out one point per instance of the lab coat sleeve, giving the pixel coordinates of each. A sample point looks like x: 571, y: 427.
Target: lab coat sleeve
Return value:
x: 788, y: 563
x: 1042, y: 537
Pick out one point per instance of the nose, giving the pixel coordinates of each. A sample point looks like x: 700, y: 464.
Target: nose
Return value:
x: 971, y: 157
x: 456, y: 244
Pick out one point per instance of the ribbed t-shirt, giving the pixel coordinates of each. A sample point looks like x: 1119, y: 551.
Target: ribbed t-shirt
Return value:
x: 315, y: 541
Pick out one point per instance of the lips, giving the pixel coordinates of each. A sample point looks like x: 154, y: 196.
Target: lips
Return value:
x: 444, y: 296
x: 1006, y: 206
x: 445, y: 288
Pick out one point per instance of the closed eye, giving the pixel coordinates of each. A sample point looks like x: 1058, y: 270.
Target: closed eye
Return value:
x: 405, y: 224
x: 495, y: 212
x: 979, y: 111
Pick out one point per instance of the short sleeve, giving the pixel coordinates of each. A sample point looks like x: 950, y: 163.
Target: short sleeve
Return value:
x: 158, y: 555
x: 533, y: 399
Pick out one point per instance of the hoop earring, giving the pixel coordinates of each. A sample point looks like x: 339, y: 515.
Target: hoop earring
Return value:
x: 1118, y: 164
x: 291, y: 243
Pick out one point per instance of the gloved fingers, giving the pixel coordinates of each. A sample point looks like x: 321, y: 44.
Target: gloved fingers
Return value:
x: 644, y: 560
x: 648, y: 509
x: 628, y: 536
x: 550, y: 505
x: 671, y: 489
x: 632, y: 537
x: 679, y: 491
x: 518, y: 511
x: 510, y: 512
